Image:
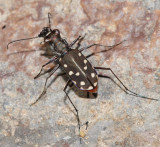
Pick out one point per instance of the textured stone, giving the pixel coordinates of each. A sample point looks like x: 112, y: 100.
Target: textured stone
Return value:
x: 115, y: 119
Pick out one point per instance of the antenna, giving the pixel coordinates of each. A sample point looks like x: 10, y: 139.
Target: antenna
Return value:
x: 49, y: 19
x: 42, y: 34
x: 20, y: 40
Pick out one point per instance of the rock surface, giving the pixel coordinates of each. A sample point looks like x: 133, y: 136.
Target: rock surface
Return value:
x: 115, y: 119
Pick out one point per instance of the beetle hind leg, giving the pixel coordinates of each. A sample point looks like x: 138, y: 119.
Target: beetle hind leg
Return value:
x: 95, y: 94
x: 87, y: 94
x: 125, y: 89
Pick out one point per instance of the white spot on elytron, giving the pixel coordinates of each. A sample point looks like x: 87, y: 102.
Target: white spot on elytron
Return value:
x: 82, y: 83
x: 95, y: 84
x: 65, y: 65
x: 90, y: 87
x: 92, y: 75
x: 85, y: 61
x: 71, y: 73
x: 77, y: 74
x: 60, y: 59
x: 85, y: 68
x: 79, y: 54
x: 74, y: 82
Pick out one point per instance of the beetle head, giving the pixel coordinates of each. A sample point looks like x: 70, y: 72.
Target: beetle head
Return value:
x: 44, y: 32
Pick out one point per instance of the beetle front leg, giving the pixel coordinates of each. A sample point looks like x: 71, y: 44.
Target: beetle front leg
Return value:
x: 79, y: 39
x: 74, y: 41
x: 126, y: 90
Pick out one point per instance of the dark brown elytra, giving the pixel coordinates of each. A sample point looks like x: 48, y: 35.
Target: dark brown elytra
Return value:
x: 75, y: 65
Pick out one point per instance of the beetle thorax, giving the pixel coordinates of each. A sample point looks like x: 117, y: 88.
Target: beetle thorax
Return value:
x: 59, y: 45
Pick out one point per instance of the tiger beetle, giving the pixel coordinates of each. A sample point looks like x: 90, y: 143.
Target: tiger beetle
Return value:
x: 75, y: 65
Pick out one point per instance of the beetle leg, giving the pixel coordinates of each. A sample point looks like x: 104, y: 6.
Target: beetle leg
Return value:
x: 110, y: 47
x: 126, y: 90
x: 50, y: 61
x: 94, y: 94
x: 87, y: 94
x: 74, y: 41
x: 71, y: 84
x: 68, y: 83
x: 86, y: 124
x: 80, y: 40
x: 87, y: 47
x: 45, y: 86
x: 65, y: 42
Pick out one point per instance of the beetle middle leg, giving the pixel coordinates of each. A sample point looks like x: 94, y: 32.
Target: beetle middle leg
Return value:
x: 95, y: 44
x: 126, y: 90
x: 50, y: 61
x: 45, y: 86
x: 92, y: 54
x: 68, y: 83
